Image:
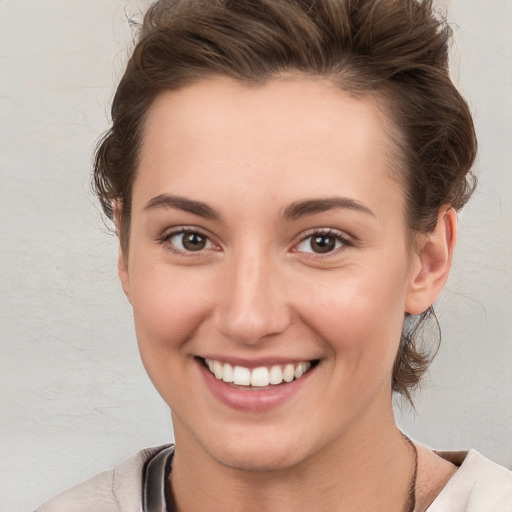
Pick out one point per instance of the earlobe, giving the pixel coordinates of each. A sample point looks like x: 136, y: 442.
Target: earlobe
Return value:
x: 435, y: 257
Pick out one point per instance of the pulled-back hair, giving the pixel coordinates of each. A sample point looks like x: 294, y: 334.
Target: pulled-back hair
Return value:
x: 393, y: 50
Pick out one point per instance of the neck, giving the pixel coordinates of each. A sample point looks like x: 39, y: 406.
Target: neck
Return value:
x: 364, y: 469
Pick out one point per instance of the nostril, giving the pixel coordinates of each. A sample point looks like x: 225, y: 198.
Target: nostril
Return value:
x: 251, y: 325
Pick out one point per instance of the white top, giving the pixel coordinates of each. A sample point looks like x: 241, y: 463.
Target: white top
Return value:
x: 479, y: 485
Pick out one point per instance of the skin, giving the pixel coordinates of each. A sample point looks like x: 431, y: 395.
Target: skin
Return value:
x: 259, y: 292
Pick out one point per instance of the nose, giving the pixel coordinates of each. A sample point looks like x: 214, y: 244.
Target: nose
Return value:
x: 252, y: 304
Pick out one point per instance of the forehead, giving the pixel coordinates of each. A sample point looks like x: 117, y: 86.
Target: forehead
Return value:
x: 297, y: 104
x: 298, y: 135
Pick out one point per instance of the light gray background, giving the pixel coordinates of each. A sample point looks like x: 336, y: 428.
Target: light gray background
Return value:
x: 74, y: 396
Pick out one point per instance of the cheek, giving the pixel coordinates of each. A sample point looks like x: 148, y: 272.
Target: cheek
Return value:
x: 168, y: 306
x: 168, y: 309
x: 360, y: 315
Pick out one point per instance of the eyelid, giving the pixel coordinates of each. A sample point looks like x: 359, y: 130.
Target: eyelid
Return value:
x: 346, y: 241
x: 164, y: 240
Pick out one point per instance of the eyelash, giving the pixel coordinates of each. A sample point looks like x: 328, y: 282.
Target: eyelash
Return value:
x: 341, y: 242
x: 165, y: 240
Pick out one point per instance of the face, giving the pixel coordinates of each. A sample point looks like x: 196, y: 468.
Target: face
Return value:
x: 268, y: 240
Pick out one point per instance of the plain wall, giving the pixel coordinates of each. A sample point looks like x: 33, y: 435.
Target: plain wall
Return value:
x: 74, y: 396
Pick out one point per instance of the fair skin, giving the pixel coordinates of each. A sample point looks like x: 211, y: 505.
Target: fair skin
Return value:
x: 268, y: 230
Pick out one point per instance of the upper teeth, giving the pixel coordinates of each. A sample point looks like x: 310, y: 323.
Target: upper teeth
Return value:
x: 259, y: 377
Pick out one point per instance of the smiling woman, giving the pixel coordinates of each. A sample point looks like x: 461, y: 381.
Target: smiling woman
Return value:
x: 260, y: 291
x: 284, y: 177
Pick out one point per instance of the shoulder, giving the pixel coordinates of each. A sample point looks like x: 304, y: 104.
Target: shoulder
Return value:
x: 479, y: 485
x: 116, y: 490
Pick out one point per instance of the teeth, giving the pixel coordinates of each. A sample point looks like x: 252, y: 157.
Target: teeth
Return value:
x: 301, y: 369
x: 289, y: 373
x: 276, y: 375
x: 227, y: 373
x: 260, y: 377
x: 217, y: 370
x: 241, y: 376
x: 257, y: 377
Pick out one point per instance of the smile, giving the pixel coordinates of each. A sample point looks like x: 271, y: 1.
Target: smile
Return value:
x: 262, y: 376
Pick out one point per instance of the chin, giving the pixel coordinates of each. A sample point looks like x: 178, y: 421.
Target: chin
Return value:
x: 262, y: 459
x: 256, y: 453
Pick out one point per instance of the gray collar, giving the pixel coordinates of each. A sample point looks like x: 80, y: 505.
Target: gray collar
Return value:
x: 156, y: 495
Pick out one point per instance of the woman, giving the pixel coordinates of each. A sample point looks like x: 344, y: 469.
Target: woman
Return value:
x: 284, y: 177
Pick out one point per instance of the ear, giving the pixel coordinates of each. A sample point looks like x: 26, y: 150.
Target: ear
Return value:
x: 432, y: 264
x: 124, y: 276
x: 122, y: 258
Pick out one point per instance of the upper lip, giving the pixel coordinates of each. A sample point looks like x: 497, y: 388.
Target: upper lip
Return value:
x: 256, y: 362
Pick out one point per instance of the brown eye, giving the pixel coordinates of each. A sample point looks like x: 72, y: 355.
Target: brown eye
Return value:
x: 321, y: 243
x: 189, y: 241
x: 193, y: 241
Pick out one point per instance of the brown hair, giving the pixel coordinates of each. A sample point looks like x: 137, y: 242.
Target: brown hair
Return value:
x: 396, y: 50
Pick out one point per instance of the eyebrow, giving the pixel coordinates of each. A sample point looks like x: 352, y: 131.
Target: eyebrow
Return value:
x: 292, y: 212
x: 181, y: 203
x: 314, y: 206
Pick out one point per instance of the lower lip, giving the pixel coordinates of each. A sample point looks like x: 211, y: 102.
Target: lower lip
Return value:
x: 253, y: 399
